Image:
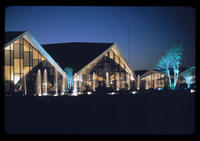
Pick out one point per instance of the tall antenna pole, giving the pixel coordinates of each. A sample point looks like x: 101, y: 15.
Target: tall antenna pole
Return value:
x: 128, y: 45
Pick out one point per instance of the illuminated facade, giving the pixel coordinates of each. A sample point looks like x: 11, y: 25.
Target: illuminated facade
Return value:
x: 24, y: 59
x: 151, y: 79
x: 94, y: 65
x: 29, y: 68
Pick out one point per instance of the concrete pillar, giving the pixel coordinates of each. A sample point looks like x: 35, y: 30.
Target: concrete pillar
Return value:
x: 44, y: 83
x: 155, y: 81
x: 107, y: 79
x: 75, y: 86
x: 128, y: 81
x: 146, y: 83
x: 56, y: 82
x: 138, y: 82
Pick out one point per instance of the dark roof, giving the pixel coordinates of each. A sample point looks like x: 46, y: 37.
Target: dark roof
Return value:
x: 140, y: 72
x: 75, y: 54
x: 10, y: 35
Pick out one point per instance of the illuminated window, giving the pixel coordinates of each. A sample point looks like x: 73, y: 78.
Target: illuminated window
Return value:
x: 11, y: 70
x: 35, y: 54
x: 117, y: 59
x: 35, y: 62
x: 26, y: 46
x: 11, y: 46
x: 111, y: 54
x: 40, y: 57
x: 7, y: 48
x: 17, y: 41
x: 7, y: 57
x: 31, y: 59
x: 122, y: 64
x: 26, y: 59
x: 7, y: 72
x: 21, y: 61
x: 16, y: 50
x: 11, y: 59
x: 17, y: 65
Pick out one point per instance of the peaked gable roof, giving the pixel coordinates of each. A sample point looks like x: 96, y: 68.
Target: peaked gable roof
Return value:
x: 13, y: 36
x: 75, y: 54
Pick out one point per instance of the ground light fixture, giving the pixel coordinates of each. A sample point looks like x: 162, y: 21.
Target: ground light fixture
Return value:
x: 89, y: 93
x: 192, y: 91
x: 133, y: 92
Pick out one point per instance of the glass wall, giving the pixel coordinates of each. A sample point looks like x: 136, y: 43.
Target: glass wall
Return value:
x: 109, y: 63
x: 20, y: 58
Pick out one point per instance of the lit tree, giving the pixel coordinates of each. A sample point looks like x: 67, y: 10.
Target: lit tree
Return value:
x: 164, y: 66
x: 175, y: 55
x: 188, y: 77
x: 69, y: 74
x: 170, y: 62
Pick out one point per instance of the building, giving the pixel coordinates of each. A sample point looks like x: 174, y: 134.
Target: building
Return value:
x: 93, y: 64
x: 34, y: 69
x: 147, y: 79
x: 29, y: 69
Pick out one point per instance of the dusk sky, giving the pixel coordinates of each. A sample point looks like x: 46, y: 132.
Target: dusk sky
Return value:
x: 153, y: 30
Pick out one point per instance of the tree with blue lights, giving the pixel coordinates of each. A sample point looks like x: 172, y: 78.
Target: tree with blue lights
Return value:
x: 188, y: 77
x: 171, y: 62
x: 69, y: 74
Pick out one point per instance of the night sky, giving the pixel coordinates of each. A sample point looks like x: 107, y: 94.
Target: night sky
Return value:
x: 153, y: 30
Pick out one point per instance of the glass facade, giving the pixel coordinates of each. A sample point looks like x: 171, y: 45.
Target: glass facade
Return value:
x: 153, y: 80
x: 20, y: 58
x: 111, y: 63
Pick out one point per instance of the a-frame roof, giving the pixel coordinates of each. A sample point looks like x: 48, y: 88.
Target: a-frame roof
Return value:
x: 75, y: 54
x: 11, y: 37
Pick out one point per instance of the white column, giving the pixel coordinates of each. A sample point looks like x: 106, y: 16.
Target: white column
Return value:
x: 138, y: 82
x: 44, y: 83
x: 128, y: 81
x: 107, y: 80
x: 146, y: 86
x: 155, y: 81
x: 75, y: 86
x: 38, y: 83
x: 118, y: 81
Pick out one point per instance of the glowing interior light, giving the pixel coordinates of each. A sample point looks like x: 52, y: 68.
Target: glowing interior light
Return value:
x: 160, y: 89
x: 40, y: 94
x: 62, y: 93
